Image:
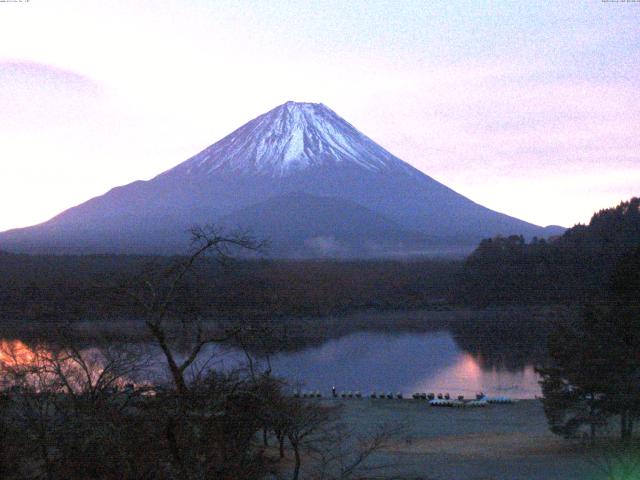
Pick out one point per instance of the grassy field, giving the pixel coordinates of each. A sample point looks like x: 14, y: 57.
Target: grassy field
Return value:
x: 498, y: 442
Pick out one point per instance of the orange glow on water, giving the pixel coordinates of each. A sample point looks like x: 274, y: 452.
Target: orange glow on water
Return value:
x: 467, y: 377
x: 16, y: 352
x: 40, y: 368
x: 463, y: 376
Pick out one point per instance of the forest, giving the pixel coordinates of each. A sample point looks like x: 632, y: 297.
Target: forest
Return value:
x: 574, y: 268
x: 43, y: 288
x: 570, y: 269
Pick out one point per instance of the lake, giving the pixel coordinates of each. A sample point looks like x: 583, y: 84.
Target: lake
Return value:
x: 403, y: 362
x: 491, y: 352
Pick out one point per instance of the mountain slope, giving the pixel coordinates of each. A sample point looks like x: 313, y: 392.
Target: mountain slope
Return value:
x: 339, y: 229
x: 296, y: 147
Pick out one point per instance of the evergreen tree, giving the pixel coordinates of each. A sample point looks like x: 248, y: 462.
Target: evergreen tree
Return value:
x: 594, y: 370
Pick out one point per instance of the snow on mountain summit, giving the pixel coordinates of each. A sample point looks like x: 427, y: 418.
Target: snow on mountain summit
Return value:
x: 291, y: 137
x: 299, y: 175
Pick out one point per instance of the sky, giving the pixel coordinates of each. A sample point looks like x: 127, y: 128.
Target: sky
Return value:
x: 529, y: 108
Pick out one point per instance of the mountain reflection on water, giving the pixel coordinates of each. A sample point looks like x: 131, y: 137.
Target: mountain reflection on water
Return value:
x: 432, y: 361
x: 409, y: 362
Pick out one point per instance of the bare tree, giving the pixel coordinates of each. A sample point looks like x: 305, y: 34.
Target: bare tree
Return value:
x: 303, y: 422
x: 64, y: 402
x: 342, y: 454
x: 329, y: 449
x: 160, y: 292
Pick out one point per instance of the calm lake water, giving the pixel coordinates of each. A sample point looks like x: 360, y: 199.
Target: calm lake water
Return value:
x: 407, y: 362
x: 382, y: 362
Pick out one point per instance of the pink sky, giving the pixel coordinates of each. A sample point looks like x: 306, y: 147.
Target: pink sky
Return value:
x: 532, y: 110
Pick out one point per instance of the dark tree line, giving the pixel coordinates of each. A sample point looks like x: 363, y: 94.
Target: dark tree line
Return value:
x: 593, y: 373
x: 569, y: 269
x: 50, y: 288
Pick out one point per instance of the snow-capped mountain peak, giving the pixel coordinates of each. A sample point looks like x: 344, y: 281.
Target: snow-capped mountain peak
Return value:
x: 292, y: 137
x: 299, y: 175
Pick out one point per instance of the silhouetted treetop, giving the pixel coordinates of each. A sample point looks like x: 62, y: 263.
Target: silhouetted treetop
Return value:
x: 574, y: 267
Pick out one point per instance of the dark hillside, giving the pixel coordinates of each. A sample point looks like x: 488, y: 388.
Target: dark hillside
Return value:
x: 573, y: 268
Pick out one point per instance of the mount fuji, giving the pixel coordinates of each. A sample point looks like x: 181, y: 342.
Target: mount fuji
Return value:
x: 299, y: 175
